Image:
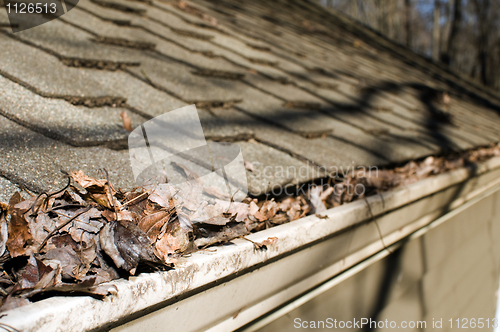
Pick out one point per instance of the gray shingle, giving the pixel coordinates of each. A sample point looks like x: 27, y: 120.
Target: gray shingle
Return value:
x: 35, y: 161
x: 307, y: 85
x: 57, y: 118
x: 7, y: 189
x: 72, y: 43
x: 46, y: 75
x: 273, y: 169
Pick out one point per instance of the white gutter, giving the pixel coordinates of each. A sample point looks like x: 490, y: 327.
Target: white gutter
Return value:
x: 265, y: 279
x: 365, y: 264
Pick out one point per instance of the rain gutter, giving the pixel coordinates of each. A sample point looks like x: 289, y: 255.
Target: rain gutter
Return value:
x: 232, y: 285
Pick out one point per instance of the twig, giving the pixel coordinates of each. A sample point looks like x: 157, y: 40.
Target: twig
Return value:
x: 61, y: 226
x: 46, y: 199
x: 257, y: 246
x: 145, y: 193
x: 65, y: 206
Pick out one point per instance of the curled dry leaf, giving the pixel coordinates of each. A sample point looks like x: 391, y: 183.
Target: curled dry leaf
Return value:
x: 267, y: 242
x: 249, y: 166
x: 189, y: 174
x: 174, y: 240
x: 315, y: 198
x: 4, y: 233
x: 19, y: 234
x: 97, y: 190
x: 212, y: 191
x: 37, y: 275
x: 126, y: 244
x: 127, y: 122
x: 227, y: 233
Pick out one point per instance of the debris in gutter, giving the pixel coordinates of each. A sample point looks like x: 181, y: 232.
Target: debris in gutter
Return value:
x: 79, y: 238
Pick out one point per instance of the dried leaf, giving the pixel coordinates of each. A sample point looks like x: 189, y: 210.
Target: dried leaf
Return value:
x: 98, y: 190
x: 33, y: 275
x: 267, y: 242
x: 174, y: 240
x: 249, y: 166
x: 126, y: 244
x: 19, y: 234
x: 88, y: 183
x: 254, y: 211
x: 212, y: 191
x: 127, y: 122
x: 146, y: 223
x: 162, y: 195
x: 190, y: 175
x: 217, y: 221
x: 239, y: 210
x: 315, y: 198
x: 4, y: 234
x: 68, y: 259
x: 226, y: 234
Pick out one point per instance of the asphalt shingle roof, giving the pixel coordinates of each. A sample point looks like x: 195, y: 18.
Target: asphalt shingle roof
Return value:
x: 295, y: 84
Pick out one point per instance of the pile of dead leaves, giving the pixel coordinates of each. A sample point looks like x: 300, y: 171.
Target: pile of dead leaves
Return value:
x: 88, y: 233
x: 375, y: 181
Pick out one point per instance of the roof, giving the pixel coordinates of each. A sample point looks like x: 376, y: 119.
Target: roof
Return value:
x: 294, y: 84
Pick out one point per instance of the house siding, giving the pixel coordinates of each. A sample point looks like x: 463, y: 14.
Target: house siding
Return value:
x: 449, y: 272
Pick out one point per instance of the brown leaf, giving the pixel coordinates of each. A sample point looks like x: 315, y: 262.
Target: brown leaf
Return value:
x: 269, y: 209
x: 88, y: 183
x: 127, y: 122
x: 226, y: 234
x: 34, y: 273
x: 254, y: 211
x: 174, y: 240
x: 315, y: 198
x: 19, y: 233
x: 267, y: 242
x: 98, y: 190
x: 238, y: 210
x: 15, y: 199
x: 146, y: 223
x: 126, y: 244
x: 162, y: 195
x: 215, y: 192
x: 217, y: 221
x: 190, y: 175
x: 68, y: 259
x: 249, y: 166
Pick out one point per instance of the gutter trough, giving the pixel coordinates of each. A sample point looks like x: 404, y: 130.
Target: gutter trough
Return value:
x: 227, y: 287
